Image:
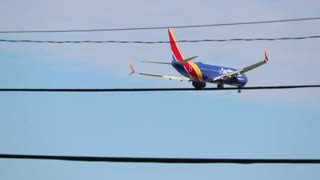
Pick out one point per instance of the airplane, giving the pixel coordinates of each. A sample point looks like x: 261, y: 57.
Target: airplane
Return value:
x: 199, y: 73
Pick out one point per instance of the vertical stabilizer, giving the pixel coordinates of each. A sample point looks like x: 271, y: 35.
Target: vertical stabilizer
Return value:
x: 177, y: 55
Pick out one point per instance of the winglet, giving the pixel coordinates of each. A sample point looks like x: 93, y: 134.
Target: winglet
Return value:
x: 266, y: 56
x: 132, y: 69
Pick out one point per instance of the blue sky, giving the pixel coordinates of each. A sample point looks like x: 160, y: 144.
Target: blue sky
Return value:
x: 253, y: 124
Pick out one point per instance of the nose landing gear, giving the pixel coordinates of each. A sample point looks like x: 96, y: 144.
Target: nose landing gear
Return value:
x: 220, y: 85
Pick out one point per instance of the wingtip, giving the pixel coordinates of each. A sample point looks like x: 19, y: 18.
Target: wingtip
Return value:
x: 132, y: 69
x: 266, y: 55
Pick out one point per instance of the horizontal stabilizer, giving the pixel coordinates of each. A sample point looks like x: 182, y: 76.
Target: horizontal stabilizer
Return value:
x: 155, y: 62
x: 186, y: 60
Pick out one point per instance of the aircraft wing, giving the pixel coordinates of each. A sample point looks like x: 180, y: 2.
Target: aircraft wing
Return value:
x: 179, y: 78
x: 243, y: 70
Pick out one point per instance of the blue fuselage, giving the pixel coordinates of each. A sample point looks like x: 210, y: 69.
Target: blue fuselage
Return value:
x: 209, y: 72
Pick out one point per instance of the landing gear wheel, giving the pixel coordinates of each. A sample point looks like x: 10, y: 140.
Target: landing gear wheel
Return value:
x: 220, y: 85
x: 198, y: 84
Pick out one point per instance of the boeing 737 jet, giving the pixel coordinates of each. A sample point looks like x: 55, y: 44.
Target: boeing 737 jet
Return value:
x: 199, y: 73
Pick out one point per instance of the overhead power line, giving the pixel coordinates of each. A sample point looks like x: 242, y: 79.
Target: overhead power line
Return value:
x: 161, y: 160
x: 159, y: 42
x: 152, y: 89
x: 165, y: 27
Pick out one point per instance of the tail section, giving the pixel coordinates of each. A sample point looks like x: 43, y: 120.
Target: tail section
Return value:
x: 176, y: 53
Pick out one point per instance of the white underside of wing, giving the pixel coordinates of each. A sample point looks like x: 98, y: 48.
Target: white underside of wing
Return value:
x: 179, y: 78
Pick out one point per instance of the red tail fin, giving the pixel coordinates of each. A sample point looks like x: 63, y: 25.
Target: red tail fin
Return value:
x: 174, y: 46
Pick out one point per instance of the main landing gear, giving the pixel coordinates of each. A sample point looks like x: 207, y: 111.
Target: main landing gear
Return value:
x: 221, y: 86
x: 198, y: 84
x: 201, y: 85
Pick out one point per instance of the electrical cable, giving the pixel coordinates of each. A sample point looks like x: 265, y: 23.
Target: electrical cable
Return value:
x: 158, y: 42
x: 161, y: 160
x: 164, y: 27
x: 151, y: 89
